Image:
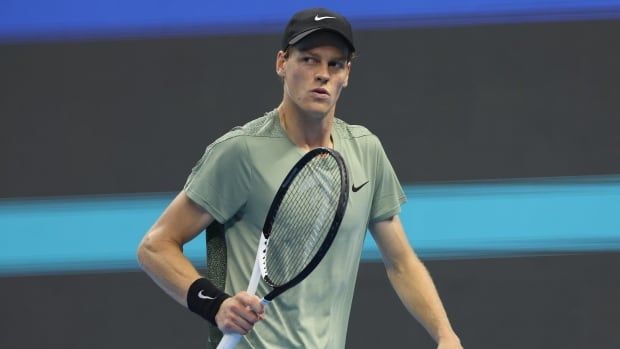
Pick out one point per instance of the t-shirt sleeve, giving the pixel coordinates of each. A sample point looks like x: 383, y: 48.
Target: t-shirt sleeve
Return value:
x: 220, y: 181
x: 388, y: 193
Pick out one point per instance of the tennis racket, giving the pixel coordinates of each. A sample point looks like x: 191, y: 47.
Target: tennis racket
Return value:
x: 300, y: 226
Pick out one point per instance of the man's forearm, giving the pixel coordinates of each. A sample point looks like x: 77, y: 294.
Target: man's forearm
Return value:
x: 165, y: 263
x: 416, y: 290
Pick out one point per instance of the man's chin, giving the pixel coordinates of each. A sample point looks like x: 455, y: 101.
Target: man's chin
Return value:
x: 318, y: 110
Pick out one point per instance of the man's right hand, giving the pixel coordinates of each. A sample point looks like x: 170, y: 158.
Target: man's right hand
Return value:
x: 239, y: 313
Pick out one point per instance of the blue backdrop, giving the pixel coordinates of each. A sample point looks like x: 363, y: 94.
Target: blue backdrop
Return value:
x: 476, y: 219
x: 62, y: 19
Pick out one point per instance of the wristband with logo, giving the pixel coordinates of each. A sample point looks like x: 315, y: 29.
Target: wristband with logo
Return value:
x: 205, y: 299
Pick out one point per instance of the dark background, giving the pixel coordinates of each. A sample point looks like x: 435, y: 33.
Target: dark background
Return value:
x: 537, y: 302
x: 452, y: 103
x: 461, y: 103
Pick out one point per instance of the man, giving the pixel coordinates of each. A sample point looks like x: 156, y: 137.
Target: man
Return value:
x: 230, y: 189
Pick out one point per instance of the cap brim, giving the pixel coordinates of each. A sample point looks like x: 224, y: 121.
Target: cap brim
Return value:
x: 302, y: 35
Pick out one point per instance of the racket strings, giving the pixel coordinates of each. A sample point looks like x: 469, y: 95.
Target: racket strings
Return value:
x: 303, y: 219
x: 300, y: 242
x: 289, y: 254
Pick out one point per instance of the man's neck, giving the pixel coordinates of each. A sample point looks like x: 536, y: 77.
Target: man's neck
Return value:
x: 307, y: 131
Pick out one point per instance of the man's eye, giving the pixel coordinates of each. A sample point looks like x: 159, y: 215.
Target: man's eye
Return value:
x: 309, y: 60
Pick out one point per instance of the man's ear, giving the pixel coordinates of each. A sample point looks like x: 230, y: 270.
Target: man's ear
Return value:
x: 280, y: 63
x: 346, y: 81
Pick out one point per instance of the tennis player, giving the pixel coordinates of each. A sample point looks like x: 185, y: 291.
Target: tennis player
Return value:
x: 230, y: 190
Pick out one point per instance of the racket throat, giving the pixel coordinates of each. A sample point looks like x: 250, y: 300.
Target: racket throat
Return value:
x: 259, y: 265
x: 253, y: 284
x: 261, y: 255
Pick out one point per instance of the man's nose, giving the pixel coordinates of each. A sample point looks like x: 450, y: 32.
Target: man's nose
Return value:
x: 322, y: 74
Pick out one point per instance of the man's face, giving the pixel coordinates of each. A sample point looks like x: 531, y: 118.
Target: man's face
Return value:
x: 315, y: 72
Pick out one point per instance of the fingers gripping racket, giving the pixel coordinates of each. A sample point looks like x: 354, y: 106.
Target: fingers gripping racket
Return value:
x: 300, y: 226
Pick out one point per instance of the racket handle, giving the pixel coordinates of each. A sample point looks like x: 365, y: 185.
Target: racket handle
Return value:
x: 229, y: 341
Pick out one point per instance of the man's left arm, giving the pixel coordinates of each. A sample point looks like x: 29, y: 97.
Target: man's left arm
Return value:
x: 412, y: 282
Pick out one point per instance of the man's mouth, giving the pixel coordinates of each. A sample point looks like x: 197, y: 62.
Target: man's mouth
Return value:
x: 321, y: 91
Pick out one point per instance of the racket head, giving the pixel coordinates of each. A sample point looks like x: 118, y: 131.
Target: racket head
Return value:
x: 303, y: 219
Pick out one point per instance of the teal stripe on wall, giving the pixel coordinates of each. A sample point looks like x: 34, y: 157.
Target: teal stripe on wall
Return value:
x: 480, y: 219
x: 451, y: 220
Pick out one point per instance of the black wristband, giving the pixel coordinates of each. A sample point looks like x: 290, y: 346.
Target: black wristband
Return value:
x: 204, y: 299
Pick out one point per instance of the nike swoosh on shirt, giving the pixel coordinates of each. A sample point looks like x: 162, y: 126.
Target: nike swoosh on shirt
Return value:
x: 317, y: 18
x: 200, y: 295
x: 354, y: 188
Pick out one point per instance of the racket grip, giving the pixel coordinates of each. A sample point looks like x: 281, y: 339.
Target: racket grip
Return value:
x: 229, y: 341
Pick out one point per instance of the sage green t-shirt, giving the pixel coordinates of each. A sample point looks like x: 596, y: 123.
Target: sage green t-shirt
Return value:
x: 236, y: 180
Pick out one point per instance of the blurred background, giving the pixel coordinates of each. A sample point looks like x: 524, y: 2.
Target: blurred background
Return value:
x: 501, y: 119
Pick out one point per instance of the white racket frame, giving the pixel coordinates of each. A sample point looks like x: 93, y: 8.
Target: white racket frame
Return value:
x: 230, y: 340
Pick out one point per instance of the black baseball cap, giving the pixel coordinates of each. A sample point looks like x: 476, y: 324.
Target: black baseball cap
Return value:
x: 308, y: 21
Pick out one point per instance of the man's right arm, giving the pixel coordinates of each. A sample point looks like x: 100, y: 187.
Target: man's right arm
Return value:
x: 161, y: 256
x: 160, y: 253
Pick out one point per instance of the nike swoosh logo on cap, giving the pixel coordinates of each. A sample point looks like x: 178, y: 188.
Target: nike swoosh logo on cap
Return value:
x: 200, y: 295
x: 317, y: 18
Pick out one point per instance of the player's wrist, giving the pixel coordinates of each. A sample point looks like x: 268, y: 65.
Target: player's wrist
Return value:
x: 450, y: 339
x: 205, y: 299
